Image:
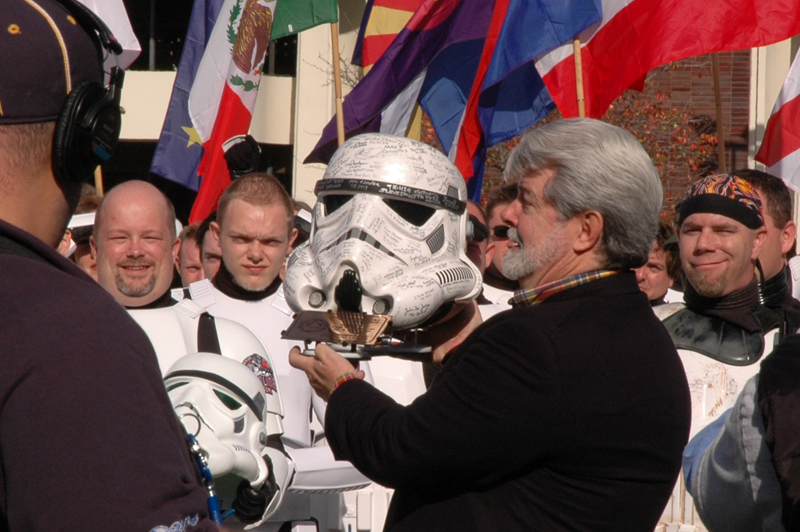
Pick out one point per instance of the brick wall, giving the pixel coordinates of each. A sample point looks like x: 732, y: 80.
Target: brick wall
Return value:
x: 689, y: 84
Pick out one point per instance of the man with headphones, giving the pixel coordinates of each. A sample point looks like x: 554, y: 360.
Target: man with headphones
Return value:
x: 88, y: 436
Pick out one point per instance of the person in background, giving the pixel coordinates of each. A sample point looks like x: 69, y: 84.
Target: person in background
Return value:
x: 663, y: 267
x: 210, y: 252
x: 254, y: 227
x: 498, y: 288
x: 187, y: 261
x: 135, y: 245
x: 773, y: 262
x: 82, y: 256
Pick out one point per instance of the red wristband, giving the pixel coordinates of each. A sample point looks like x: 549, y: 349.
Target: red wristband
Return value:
x: 344, y: 378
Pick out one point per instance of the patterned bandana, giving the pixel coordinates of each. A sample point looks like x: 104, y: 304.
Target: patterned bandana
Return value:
x: 528, y: 297
x: 724, y: 194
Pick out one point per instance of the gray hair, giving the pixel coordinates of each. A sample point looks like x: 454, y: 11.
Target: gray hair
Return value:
x: 598, y: 167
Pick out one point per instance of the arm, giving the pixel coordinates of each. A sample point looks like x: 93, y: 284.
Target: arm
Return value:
x: 778, y: 399
x: 498, y: 394
x: 92, y: 411
x: 732, y: 480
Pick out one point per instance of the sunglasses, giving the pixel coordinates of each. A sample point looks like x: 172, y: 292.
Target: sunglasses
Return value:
x: 500, y: 232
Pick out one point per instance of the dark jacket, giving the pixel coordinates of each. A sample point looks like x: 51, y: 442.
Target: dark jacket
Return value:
x: 88, y: 437
x: 779, y: 401
x: 570, y: 415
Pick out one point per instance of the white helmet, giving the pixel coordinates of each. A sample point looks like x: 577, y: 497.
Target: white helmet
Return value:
x: 223, y: 404
x: 389, y: 234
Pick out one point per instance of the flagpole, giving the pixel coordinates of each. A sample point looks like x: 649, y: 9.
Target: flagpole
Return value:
x: 98, y: 180
x: 576, y: 52
x: 337, y: 82
x: 721, y: 166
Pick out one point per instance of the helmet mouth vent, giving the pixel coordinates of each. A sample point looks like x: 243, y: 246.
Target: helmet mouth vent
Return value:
x: 348, y: 292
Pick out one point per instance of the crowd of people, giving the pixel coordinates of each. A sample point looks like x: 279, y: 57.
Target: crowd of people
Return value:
x: 591, y: 366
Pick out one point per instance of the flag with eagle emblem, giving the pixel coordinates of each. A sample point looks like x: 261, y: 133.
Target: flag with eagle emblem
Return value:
x: 224, y: 94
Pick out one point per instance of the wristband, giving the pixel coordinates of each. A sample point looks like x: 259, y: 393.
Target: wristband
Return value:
x: 344, y: 378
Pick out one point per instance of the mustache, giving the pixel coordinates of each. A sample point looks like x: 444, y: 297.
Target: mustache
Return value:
x: 514, y: 236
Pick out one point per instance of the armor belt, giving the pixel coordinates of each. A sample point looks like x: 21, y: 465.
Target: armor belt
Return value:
x: 719, y: 339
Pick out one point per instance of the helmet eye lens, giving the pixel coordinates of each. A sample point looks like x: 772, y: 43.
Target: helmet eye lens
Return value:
x: 176, y: 385
x: 227, y: 400
x: 413, y: 213
x: 334, y: 201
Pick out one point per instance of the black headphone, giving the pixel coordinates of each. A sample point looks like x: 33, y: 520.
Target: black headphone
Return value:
x: 88, y: 128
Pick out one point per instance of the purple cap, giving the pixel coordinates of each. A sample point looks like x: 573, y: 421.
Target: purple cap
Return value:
x: 44, y: 54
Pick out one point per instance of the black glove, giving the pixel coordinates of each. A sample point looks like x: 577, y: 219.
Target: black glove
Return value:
x: 250, y: 504
x: 242, y: 154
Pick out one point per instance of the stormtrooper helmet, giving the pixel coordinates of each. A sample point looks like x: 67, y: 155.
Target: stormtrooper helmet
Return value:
x: 389, y: 235
x: 223, y: 404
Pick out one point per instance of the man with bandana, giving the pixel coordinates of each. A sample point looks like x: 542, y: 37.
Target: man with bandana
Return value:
x: 722, y: 330
x: 742, y: 470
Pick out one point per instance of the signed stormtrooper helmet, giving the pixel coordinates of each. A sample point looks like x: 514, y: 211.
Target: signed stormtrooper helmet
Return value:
x: 389, y: 235
x: 223, y: 404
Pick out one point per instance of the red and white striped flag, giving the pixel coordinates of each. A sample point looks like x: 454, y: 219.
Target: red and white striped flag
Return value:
x: 780, y: 148
x: 224, y: 93
x: 636, y: 36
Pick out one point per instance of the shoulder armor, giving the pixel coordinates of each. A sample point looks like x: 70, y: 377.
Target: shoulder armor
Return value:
x: 202, y: 293
x: 714, y: 338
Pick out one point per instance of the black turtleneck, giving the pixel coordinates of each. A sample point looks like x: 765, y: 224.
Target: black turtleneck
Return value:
x: 736, y: 307
x: 164, y: 301
x: 777, y: 291
x: 225, y: 283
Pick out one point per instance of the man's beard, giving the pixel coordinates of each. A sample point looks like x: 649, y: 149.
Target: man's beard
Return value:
x: 135, y: 290
x: 253, y: 286
x: 707, y: 288
x: 521, y: 262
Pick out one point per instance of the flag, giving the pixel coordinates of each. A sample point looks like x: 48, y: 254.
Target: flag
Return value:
x: 382, y: 21
x: 294, y: 16
x: 636, y: 36
x: 114, y: 15
x: 385, y: 96
x: 435, y: 60
x: 179, y: 149
x: 780, y: 148
x: 507, y: 96
x: 224, y: 94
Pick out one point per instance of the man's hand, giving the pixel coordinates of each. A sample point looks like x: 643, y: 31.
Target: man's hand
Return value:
x: 324, y: 369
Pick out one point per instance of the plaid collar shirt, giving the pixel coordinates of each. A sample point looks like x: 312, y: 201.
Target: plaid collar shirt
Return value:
x: 528, y: 297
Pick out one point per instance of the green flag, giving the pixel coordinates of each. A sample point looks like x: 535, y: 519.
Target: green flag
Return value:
x: 294, y: 16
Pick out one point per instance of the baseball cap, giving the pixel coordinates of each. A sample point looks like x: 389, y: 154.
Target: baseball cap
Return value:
x: 44, y: 54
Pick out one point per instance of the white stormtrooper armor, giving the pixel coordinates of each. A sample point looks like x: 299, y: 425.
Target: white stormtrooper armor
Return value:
x: 224, y: 405
x: 319, y: 480
x: 389, y: 234
x: 176, y: 332
x: 714, y: 387
x: 794, y: 267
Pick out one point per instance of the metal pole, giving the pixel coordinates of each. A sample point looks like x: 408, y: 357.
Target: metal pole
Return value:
x: 152, y: 41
